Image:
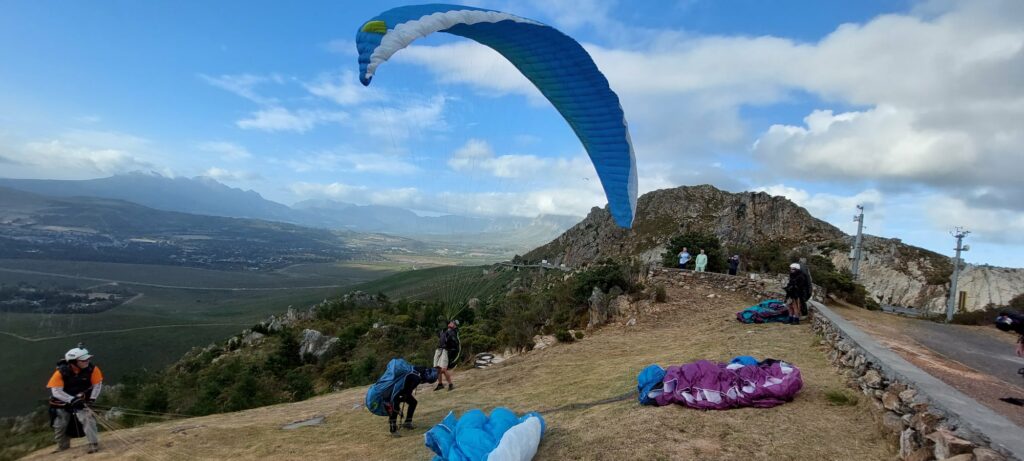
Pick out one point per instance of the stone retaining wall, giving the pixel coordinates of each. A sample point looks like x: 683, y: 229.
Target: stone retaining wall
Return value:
x: 930, y: 419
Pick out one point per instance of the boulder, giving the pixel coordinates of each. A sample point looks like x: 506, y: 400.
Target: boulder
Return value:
x: 872, y: 379
x: 907, y: 396
x: 317, y: 344
x: 908, y: 443
x: 891, y: 400
x: 543, y: 342
x: 948, y: 445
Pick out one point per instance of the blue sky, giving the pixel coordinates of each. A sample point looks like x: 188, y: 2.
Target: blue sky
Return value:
x: 913, y: 108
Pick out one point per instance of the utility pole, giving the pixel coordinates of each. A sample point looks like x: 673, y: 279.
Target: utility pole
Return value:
x: 855, y: 264
x: 959, y: 233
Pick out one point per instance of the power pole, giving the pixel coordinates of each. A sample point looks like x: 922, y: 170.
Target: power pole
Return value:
x: 959, y: 233
x: 855, y: 264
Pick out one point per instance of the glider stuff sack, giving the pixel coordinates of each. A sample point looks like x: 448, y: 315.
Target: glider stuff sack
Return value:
x: 382, y: 394
x: 708, y: 385
x: 771, y: 310
x: 476, y: 437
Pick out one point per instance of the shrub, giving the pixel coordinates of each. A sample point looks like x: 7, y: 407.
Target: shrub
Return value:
x: 840, y: 398
x: 579, y: 334
x: 694, y: 242
x: 564, y: 336
x: 660, y: 294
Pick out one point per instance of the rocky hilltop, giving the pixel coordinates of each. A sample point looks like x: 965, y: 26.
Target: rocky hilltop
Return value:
x: 892, y: 271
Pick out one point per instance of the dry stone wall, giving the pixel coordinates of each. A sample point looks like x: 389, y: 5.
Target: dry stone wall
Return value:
x: 917, y: 411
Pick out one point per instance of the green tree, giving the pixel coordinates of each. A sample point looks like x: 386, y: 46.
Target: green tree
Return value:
x: 694, y: 242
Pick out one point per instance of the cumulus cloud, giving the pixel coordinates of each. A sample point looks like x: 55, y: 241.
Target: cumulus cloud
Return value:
x: 244, y: 85
x: 227, y: 150
x: 835, y: 209
x: 987, y: 225
x: 277, y: 119
x: 77, y: 154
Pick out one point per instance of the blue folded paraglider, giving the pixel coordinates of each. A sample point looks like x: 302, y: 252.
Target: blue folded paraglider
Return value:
x: 477, y: 437
x: 555, y: 63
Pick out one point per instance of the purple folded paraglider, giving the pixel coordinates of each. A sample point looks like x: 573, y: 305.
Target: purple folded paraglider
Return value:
x: 708, y: 385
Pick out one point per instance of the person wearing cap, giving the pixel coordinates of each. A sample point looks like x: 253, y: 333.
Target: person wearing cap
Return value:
x: 796, y: 289
x: 446, y: 353
x: 74, y: 386
x: 734, y: 264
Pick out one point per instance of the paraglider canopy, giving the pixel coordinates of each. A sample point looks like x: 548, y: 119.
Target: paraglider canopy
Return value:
x: 555, y: 63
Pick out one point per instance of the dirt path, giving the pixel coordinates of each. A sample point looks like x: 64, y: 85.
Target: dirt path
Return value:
x: 975, y: 360
x: 601, y: 366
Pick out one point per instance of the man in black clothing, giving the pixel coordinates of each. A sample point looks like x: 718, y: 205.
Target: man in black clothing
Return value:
x: 734, y: 264
x: 420, y: 375
x: 446, y: 354
x: 796, y: 290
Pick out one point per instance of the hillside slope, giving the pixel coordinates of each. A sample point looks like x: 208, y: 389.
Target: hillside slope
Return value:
x: 689, y: 326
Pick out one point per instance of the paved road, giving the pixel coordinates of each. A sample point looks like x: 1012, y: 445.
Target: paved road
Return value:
x: 968, y: 346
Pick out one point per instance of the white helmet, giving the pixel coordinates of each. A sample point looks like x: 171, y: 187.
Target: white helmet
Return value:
x: 794, y: 266
x: 78, y: 353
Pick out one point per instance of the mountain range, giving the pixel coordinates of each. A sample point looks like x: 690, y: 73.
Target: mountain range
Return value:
x: 206, y: 196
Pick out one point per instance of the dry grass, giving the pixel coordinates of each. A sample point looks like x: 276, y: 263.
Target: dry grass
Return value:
x: 602, y: 365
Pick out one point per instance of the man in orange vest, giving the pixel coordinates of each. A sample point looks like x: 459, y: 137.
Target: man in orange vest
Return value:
x: 73, y: 387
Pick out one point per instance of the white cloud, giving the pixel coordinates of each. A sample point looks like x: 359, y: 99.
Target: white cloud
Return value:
x: 244, y: 85
x: 342, y: 47
x: 563, y: 201
x: 354, y: 163
x: 343, y: 89
x: 227, y: 150
x: 986, y: 225
x: 477, y: 157
x: 413, y: 119
x: 280, y: 119
x: 223, y: 175
x: 77, y: 154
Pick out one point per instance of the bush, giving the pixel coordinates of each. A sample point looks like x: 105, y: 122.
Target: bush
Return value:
x: 563, y: 336
x: 579, y: 334
x: 660, y: 294
x: 840, y: 398
x: 694, y: 242
x: 986, y: 316
x: 605, y: 276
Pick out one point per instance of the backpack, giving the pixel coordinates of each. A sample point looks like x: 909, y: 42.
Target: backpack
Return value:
x: 381, y: 396
x: 648, y: 381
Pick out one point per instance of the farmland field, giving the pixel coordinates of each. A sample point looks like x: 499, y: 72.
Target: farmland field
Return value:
x: 178, y: 308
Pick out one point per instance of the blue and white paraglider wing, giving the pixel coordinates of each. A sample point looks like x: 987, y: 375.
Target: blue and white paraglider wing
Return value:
x: 556, y: 64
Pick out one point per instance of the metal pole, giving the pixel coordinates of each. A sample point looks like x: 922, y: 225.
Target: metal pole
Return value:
x: 951, y: 300
x: 855, y: 264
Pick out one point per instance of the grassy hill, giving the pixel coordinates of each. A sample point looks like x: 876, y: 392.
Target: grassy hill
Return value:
x: 604, y: 364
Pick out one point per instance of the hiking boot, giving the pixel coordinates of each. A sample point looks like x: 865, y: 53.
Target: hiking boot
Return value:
x: 451, y: 386
x: 93, y: 448
x: 439, y: 386
x: 408, y: 425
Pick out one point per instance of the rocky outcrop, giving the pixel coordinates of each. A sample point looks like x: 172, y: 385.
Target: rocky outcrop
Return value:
x: 317, y: 345
x: 893, y: 272
x: 903, y: 275
x: 741, y: 219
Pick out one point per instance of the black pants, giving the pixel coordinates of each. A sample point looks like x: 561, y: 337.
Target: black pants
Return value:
x: 410, y: 409
x: 803, y: 307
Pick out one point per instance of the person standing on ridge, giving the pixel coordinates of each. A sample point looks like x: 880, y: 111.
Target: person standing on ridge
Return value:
x: 447, y: 352
x: 734, y: 264
x: 796, y: 289
x: 684, y: 257
x: 701, y: 262
x: 74, y: 386
x: 806, y: 269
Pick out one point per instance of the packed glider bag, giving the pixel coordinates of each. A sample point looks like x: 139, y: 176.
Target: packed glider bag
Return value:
x: 555, y: 63
x: 708, y: 385
x: 476, y: 437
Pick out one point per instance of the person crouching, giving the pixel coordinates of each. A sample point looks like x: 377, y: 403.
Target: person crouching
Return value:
x: 420, y: 375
